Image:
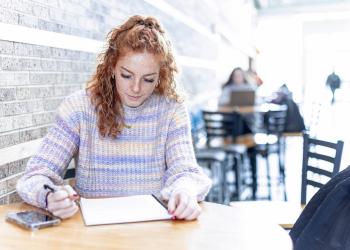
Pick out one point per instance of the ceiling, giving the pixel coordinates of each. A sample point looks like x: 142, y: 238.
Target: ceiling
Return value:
x: 282, y: 4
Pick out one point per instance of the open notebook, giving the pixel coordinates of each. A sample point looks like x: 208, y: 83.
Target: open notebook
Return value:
x: 122, y: 210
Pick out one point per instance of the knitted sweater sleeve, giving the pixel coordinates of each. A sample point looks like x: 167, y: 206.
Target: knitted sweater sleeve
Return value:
x: 57, y: 149
x: 182, y: 171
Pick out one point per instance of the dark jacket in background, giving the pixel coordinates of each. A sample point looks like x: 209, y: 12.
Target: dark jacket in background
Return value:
x: 324, y: 224
x: 294, y: 120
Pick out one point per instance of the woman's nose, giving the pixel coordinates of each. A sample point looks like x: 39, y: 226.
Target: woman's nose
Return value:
x: 136, y: 86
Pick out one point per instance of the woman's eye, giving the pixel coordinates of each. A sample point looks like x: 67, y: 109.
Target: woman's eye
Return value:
x: 149, y: 80
x: 125, y: 76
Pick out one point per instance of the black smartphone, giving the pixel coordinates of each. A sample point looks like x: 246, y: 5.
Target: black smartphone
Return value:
x: 32, y: 220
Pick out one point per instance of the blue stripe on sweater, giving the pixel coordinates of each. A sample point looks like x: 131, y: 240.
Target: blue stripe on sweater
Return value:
x: 51, y: 144
x: 61, y: 124
x: 115, y: 192
x: 37, y: 160
x: 127, y: 171
x: 181, y: 131
x: 142, y: 118
x: 130, y: 160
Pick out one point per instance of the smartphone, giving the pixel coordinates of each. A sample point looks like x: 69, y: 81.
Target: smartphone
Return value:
x: 32, y: 220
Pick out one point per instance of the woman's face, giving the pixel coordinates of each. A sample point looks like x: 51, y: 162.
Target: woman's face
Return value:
x: 136, y: 75
x: 238, y: 77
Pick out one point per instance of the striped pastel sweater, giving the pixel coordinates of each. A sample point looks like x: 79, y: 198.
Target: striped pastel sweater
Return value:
x: 153, y: 155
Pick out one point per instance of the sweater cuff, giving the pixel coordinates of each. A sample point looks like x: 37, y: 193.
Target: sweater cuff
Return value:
x: 182, y: 184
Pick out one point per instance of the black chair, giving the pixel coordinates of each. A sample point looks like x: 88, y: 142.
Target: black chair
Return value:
x: 222, y: 129
x: 70, y: 173
x: 322, y: 159
x: 211, y: 160
x: 323, y: 164
x: 268, y: 138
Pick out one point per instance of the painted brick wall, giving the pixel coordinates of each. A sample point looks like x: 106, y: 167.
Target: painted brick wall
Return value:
x: 35, y: 78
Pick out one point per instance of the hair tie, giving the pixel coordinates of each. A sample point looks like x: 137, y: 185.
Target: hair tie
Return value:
x: 141, y: 22
x: 149, y: 25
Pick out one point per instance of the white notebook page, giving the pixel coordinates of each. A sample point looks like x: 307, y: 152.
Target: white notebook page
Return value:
x: 122, y: 210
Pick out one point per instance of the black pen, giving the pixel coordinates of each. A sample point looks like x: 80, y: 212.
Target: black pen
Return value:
x: 72, y: 197
x: 49, y: 188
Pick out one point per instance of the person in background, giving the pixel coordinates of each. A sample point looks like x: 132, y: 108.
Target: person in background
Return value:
x: 237, y: 78
x: 333, y: 82
x: 129, y: 130
x: 294, y: 120
x: 236, y: 82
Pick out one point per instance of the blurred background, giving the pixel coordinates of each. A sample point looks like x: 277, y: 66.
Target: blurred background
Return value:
x: 48, y: 49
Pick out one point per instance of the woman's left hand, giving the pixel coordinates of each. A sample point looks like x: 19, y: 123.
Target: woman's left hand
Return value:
x: 184, y: 205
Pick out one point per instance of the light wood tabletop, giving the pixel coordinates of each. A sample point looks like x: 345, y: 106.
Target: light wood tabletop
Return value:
x: 282, y: 213
x: 259, y: 108
x: 218, y: 227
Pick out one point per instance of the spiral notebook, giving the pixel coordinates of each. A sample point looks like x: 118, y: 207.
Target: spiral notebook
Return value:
x: 136, y: 208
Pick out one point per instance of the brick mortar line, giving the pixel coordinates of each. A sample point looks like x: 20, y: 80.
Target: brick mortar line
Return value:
x: 34, y: 99
x: 43, y: 58
x: 37, y: 86
x: 57, y: 8
x: 7, y: 194
x: 24, y: 130
x: 47, y: 20
x: 39, y: 72
x: 10, y: 177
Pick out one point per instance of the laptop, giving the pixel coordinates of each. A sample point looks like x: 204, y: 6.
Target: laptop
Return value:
x: 242, y: 98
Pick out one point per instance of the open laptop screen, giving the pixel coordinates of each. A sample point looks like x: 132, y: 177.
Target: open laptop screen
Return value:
x: 242, y: 98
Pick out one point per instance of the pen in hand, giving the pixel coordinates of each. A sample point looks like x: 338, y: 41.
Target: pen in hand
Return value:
x: 72, y: 197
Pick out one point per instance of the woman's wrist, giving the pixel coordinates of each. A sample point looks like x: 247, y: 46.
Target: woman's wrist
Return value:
x: 185, y: 190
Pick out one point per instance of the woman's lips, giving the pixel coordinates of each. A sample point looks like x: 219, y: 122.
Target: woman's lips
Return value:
x: 135, y: 98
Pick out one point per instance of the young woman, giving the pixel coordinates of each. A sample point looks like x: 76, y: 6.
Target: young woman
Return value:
x: 128, y: 129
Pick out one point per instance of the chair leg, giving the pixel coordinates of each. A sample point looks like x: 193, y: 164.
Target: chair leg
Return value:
x: 224, y: 182
x: 268, y: 176
x: 238, y: 176
x: 231, y: 166
x: 252, y: 158
x: 282, y: 177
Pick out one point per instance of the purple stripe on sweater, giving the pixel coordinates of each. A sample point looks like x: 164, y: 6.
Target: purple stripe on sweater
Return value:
x: 130, y: 160
x: 115, y: 192
x: 179, y: 144
x: 49, y: 143
x: 142, y: 118
x: 61, y: 124
x: 127, y: 171
x: 178, y: 132
x: 37, y: 160
x: 184, y: 172
x: 77, y: 117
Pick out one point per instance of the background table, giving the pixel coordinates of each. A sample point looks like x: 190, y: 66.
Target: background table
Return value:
x: 218, y: 227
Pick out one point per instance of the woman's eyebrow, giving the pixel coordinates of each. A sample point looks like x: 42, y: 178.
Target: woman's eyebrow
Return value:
x: 129, y: 71
x: 126, y: 70
x: 151, y: 74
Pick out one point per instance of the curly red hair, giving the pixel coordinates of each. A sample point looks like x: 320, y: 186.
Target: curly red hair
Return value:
x: 137, y: 34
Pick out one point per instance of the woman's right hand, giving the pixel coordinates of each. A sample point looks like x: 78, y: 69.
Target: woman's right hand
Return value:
x: 60, y: 204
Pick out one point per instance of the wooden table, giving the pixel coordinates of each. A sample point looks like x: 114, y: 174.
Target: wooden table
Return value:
x: 218, y: 227
x: 282, y: 213
x: 260, y: 108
